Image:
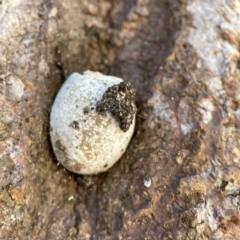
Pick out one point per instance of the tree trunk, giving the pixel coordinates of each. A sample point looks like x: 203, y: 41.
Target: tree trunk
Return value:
x: 180, y: 177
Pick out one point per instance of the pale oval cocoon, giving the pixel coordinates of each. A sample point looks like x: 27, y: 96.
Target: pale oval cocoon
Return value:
x: 84, y: 141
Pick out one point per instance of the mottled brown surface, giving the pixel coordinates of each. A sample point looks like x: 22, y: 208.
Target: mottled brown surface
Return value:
x: 180, y: 177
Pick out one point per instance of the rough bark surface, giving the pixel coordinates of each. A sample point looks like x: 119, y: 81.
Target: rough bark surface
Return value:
x: 180, y: 177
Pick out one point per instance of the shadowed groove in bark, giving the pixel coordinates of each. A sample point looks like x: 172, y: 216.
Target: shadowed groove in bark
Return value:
x: 154, y: 42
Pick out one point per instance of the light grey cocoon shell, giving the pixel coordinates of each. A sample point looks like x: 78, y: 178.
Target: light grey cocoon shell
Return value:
x: 84, y: 141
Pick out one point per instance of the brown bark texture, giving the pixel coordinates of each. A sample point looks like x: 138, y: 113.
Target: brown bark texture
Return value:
x: 180, y: 177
